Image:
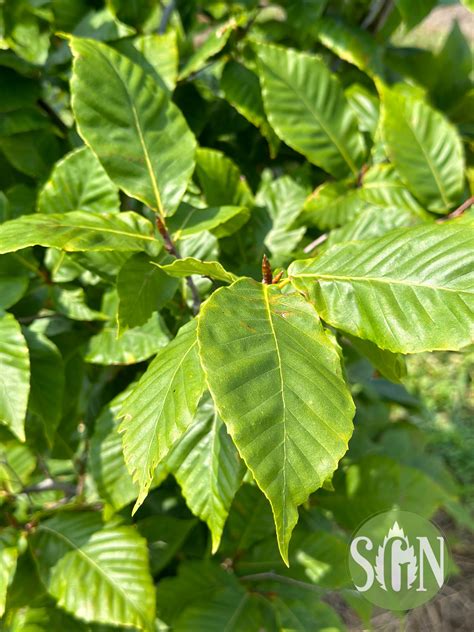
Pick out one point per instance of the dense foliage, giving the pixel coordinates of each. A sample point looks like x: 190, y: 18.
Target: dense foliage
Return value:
x: 172, y: 425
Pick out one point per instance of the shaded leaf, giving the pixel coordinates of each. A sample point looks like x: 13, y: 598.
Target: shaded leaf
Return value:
x: 208, y: 469
x: 142, y: 289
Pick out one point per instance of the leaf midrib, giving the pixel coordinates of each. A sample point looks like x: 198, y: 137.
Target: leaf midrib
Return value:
x: 285, y: 436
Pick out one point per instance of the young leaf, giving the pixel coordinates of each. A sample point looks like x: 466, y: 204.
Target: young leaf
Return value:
x: 410, y: 290
x: 208, y: 469
x: 269, y: 364
x: 306, y: 106
x: 75, y: 547
x: 425, y: 149
x: 189, y: 266
x: 161, y: 407
x: 78, y: 231
x: 14, y: 375
x: 130, y: 123
x: 142, y: 289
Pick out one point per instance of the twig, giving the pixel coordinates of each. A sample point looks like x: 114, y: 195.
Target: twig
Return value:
x: 382, y: 16
x: 171, y: 248
x: 53, y: 115
x: 319, y: 240
x: 459, y: 211
x: 49, y: 485
x: 165, y: 18
x: 372, y: 14
x: 272, y: 576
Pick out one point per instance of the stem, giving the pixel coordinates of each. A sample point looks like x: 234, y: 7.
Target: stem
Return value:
x: 165, y: 18
x: 53, y: 115
x: 319, y: 240
x: 383, y: 16
x: 171, y: 248
x: 459, y: 211
x: 49, y: 485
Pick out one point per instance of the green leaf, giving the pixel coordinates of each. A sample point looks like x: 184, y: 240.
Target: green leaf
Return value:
x: 365, y: 105
x: 16, y: 465
x: 331, y: 204
x: 284, y: 199
x: 360, y: 494
x: 78, y: 181
x: 142, y: 289
x: 305, y: 105
x: 383, y: 188
x: 408, y: 291
x: 156, y: 54
x: 161, y: 407
x: 106, y: 461
x: 189, y: 266
x: 14, y: 376
x: 241, y: 88
x: 351, y: 43
x: 208, y: 469
x: 14, y: 281
x: 75, y: 547
x: 425, y: 149
x: 131, y: 124
x: 306, y: 614
x: 214, y: 43
x: 391, y: 365
x: 135, y: 345
x: 375, y: 221
x: 8, y: 557
x: 414, y: 12
x: 220, y: 179
x: 47, y: 381
x: 204, y: 597
x: 221, y: 220
x: 79, y: 231
x: 265, y: 355
x: 166, y: 536
x: 71, y: 301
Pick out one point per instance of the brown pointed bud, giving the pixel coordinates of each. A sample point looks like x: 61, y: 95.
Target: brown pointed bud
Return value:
x: 277, y: 277
x: 267, y: 276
